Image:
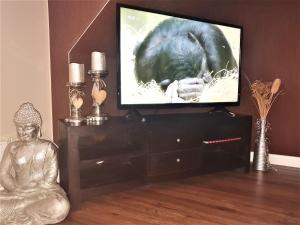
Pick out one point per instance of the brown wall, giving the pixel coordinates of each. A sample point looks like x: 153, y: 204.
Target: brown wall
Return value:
x: 271, y: 48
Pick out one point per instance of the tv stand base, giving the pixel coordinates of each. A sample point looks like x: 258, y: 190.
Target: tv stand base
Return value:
x: 134, y: 115
x: 222, y: 110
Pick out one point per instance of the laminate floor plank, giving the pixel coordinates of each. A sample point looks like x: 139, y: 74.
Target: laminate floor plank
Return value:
x: 224, y: 198
x: 233, y: 207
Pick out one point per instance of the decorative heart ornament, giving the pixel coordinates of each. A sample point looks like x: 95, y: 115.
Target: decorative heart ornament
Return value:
x: 99, y: 96
x: 77, y: 102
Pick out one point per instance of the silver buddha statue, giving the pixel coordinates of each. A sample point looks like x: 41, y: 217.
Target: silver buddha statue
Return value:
x: 28, y: 174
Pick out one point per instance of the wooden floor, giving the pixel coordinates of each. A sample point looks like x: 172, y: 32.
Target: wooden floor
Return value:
x: 228, y: 198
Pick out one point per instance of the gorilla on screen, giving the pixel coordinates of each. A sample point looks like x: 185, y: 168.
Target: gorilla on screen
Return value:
x: 190, y: 52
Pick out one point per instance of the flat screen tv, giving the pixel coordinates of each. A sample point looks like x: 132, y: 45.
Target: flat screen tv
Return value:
x: 166, y: 60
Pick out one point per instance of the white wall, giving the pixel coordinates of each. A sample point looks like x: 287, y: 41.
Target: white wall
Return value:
x: 25, y: 62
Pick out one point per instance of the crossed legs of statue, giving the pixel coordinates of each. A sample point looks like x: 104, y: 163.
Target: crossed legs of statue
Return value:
x: 33, y: 211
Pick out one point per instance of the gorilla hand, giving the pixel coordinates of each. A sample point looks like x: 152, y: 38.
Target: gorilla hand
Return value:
x: 190, y: 88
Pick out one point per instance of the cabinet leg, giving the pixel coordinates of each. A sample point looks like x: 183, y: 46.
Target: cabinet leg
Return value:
x: 75, y: 200
x: 247, y: 168
x: 75, y: 204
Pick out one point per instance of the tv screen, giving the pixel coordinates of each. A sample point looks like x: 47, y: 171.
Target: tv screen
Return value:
x: 174, y: 60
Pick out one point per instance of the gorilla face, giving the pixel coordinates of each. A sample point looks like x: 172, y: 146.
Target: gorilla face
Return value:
x: 174, y: 59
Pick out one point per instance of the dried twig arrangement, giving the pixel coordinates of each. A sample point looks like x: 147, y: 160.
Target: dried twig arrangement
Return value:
x: 265, y: 93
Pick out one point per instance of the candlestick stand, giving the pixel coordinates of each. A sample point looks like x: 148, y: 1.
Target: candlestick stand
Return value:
x: 75, y: 102
x: 98, y: 94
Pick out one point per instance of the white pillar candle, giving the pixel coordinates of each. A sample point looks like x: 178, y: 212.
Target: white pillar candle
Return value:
x: 76, y: 73
x: 98, y: 61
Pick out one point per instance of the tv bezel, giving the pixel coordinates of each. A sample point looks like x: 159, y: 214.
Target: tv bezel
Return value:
x: 171, y: 105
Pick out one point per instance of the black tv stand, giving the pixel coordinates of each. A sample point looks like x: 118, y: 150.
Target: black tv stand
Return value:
x: 121, y: 154
x: 223, y: 110
x: 134, y: 115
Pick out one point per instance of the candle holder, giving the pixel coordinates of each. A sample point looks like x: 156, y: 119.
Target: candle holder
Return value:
x: 97, y: 117
x: 75, y: 102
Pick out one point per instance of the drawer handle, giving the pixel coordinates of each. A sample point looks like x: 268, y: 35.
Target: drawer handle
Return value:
x: 99, y: 163
x: 178, y: 140
x: 178, y: 160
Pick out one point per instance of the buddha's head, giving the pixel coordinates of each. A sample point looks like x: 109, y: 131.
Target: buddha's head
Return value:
x: 28, y: 122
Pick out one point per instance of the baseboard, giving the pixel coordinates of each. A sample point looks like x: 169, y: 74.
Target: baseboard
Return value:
x: 283, y: 160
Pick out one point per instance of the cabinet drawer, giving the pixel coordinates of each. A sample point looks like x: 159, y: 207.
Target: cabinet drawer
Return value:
x: 173, y: 162
x: 175, y: 137
x: 224, y: 128
x: 105, y: 171
x: 122, y: 139
x: 224, y: 156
